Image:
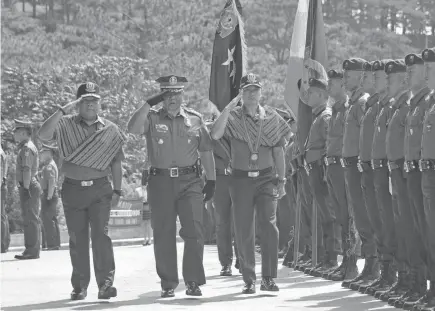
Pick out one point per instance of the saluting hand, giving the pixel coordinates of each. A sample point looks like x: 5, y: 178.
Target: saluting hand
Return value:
x: 209, y: 189
x: 69, y: 108
x: 234, y: 102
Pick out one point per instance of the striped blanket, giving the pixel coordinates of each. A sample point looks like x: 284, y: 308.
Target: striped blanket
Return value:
x: 274, y: 127
x: 96, y: 151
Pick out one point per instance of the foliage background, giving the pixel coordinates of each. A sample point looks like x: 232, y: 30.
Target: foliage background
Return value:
x: 49, y: 46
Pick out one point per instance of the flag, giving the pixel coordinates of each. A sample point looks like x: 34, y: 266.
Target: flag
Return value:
x: 229, y: 55
x: 308, y: 57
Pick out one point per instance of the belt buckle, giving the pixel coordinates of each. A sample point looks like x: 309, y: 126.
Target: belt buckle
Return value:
x: 406, y: 166
x: 227, y: 171
x: 86, y: 183
x: 342, y: 162
x: 173, y: 172
x: 373, y: 163
x: 360, y: 167
x: 253, y: 174
x: 325, y: 159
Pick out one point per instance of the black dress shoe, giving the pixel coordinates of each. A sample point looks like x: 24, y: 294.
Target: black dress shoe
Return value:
x: 53, y: 248
x: 249, y: 288
x: 26, y: 257
x: 269, y: 285
x: 226, y: 271
x: 107, y: 292
x: 237, y: 265
x: 193, y: 289
x: 167, y: 293
x: 79, y: 294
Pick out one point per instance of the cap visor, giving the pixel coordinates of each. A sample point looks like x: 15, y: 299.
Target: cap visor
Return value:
x: 90, y: 95
x: 254, y: 84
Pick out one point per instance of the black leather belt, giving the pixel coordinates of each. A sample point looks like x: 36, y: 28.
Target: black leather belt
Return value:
x: 310, y: 165
x: 394, y: 165
x: 427, y: 165
x: 378, y: 163
x: 251, y: 174
x: 364, y: 166
x: 223, y: 171
x: 86, y: 183
x: 173, y: 171
x: 349, y: 161
x: 331, y: 160
x: 411, y: 166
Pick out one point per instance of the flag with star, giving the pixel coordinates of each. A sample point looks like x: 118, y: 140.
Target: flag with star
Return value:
x: 229, y: 61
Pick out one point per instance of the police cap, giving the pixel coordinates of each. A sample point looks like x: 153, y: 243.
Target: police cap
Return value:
x: 250, y: 79
x: 172, y: 83
x: 88, y: 89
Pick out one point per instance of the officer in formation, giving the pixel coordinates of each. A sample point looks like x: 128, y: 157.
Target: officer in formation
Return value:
x: 388, y: 137
x: 50, y: 197
x: 91, y: 149
x: 5, y: 235
x: 176, y: 136
x: 257, y: 136
x: 29, y: 189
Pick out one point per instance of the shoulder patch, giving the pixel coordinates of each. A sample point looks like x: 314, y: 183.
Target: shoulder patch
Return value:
x: 155, y: 109
x: 192, y: 111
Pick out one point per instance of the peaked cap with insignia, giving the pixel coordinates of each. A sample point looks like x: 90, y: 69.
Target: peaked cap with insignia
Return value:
x: 250, y: 79
x: 172, y: 83
x: 395, y: 66
x: 88, y: 89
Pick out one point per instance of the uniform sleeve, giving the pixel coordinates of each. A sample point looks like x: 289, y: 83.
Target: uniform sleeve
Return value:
x: 324, y: 127
x: 50, y: 173
x: 120, y: 156
x: 205, y: 141
x: 27, y: 157
x: 147, y: 125
x: 403, y: 117
x: 360, y: 112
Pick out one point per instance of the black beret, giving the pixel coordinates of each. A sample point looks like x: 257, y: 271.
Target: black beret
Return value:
x: 395, y: 66
x: 320, y: 83
x: 172, y: 83
x: 335, y: 74
x: 250, y: 79
x: 88, y: 89
x: 355, y: 64
x: 380, y: 64
x: 428, y: 55
x: 368, y: 66
x: 413, y: 59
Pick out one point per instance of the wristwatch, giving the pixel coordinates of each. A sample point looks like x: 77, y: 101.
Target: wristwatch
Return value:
x: 282, y: 181
x: 118, y: 192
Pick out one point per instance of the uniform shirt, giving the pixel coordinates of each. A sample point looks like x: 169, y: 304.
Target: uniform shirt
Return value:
x: 221, y: 158
x: 315, y: 147
x: 428, y: 139
x: 78, y: 172
x: 175, y: 141
x: 4, y: 166
x: 379, y: 150
x: 27, y: 160
x: 395, y: 136
x: 367, y: 129
x: 334, y: 142
x: 49, y: 175
x: 353, y: 118
x: 414, y: 124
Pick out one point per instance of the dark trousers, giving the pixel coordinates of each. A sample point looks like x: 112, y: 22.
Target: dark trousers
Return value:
x: 30, y: 214
x: 331, y: 243
x: 406, y: 233
x: 306, y: 198
x: 84, y: 206
x: 428, y: 187
x: 224, y: 224
x: 415, y: 194
x: 5, y: 234
x: 49, y: 219
x: 383, y: 198
x: 361, y: 219
x: 255, y: 196
x: 337, y: 193
x: 285, y: 216
x: 169, y: 198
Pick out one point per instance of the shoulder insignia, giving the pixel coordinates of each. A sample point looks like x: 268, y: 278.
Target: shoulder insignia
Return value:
x: 155, y: 109
x: 192, y: 111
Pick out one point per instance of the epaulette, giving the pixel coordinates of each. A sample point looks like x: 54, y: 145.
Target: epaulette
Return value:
x: 156, y: 109
x: 192, y: 111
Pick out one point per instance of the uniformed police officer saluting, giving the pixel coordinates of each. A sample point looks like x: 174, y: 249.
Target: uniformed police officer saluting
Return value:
x: 29, y: 189
x: 427, y: 166
x: 50, y: 197
x: 175, y: 137
x: 257, y: 135
x: 91, y: 149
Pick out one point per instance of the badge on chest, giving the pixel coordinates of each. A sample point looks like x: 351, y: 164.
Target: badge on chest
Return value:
x: 162, y: 128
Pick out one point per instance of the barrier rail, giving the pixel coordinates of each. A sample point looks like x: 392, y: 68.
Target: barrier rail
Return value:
x: 127, y: 213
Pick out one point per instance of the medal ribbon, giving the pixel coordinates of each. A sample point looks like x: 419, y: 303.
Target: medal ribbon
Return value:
x: 251, y: 147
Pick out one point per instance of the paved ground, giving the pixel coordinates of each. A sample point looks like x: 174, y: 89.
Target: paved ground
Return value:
x: 44, y: 285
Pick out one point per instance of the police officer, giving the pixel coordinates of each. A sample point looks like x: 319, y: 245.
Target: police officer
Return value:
x: 29, y: 189
x: 427, y: 166
x: 353, y: 72
x: 257, y: 136
x: 91, y: 150
x: 381, y: 182
x: 413, y: 133
x: 50, y: 197
x: 364, y: 166
x: 315, y: 149
x: 175, y: 136
x: 5, y: 235
x: 335, y: 175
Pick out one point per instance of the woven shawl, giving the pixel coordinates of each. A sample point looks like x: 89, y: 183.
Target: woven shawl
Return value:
x: 274, y: 127
x: 96, y: 151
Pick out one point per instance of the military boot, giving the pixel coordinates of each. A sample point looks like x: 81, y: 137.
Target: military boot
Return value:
x: 385, y: 280
x: 348, y: 272
x: 369, y: 273
x: 418, y: 289
x: 341, y: 267
x: 399, y: 288
x: 283, y: 251
x: 427, y: 302
x: 288, y: 258
x: 306, y: 257
x: 388, y: 282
